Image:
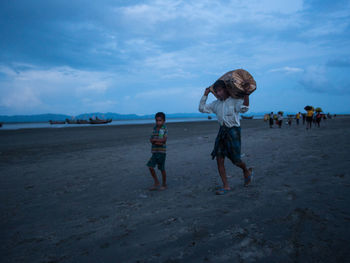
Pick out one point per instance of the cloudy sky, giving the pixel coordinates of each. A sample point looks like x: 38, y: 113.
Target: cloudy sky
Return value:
x: 140, y: 57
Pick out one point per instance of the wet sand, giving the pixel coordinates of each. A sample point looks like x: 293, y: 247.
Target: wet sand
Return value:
x: 81, y: 195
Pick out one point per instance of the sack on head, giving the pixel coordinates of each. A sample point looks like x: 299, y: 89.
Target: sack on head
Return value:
x: 238, y: 82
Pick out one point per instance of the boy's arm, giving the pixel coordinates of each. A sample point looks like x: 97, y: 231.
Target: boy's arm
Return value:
x: 151, y: 138
x: 161, y: 141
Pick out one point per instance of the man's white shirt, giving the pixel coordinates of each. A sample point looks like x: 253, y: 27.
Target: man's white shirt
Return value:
x: 227, y: 111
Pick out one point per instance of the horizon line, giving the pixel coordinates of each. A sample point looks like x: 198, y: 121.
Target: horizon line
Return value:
x: 141, y: 115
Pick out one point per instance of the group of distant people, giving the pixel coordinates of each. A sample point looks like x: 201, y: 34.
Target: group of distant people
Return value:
x: 275, y: 118
x: 310, y: 117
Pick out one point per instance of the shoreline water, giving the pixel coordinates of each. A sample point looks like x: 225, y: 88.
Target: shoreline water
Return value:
x: 43, y: 125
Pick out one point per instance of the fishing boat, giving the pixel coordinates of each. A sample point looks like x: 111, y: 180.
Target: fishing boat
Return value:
x: 83, y: 121
x: 99, y: 121
x: 71, y: 121
x: 247, y: 117
x: 56, y: 122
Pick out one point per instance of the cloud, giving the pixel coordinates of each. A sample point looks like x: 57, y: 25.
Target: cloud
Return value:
x: 199, y: 19
x: 287, y: 70
x: 47, y: 88
x: 99, y: 105
x: 118, y: 55
x: 169, y: 100
x: 317, y: 79
x: 339, y: 63
x: 333, y: 22
x: 326, y: 28
x: 156, y: 33
x: 165, y: 10
x: 21, y: 99
x: 170, y: 64
x: 159, y: 93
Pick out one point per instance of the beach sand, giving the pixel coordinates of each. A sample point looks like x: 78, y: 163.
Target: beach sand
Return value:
x: 81, y: 195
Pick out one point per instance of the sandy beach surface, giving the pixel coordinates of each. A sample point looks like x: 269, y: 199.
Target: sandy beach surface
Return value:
x: 81, y: 195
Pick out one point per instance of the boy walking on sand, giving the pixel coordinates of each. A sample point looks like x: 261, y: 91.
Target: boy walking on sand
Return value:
x: 158, y: 141
x: 228, y: 140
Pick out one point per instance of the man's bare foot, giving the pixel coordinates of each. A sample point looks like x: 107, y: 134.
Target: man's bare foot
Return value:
x: 154, y: 187
x: 248, y: 172
x: 163, y: 187
x: 248, y: 176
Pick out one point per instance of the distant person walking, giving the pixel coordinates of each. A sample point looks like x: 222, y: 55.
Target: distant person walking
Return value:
x: 304, y: 117
x: 280, y: 119
x: 314, y: 118
x: 318, y: 119
x: 271, y: 119
x: 309, y: 117
x: 289, y: 121
x: 297, y: 117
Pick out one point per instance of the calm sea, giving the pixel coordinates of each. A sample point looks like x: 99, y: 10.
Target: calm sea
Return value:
x: 33, y: 125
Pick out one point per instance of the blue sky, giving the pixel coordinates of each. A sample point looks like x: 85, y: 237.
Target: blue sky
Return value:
x: 141, y: 57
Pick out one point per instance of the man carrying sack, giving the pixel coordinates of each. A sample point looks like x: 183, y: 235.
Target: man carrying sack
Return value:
x: 231, y: 100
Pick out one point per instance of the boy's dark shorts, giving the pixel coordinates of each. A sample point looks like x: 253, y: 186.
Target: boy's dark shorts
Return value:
x: 157, y: 159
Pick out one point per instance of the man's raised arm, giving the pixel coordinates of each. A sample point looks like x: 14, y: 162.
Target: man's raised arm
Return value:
x: 203, y: 107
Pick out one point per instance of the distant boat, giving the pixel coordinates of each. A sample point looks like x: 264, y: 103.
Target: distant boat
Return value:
x: 57, y: 122
x: 247, y: 117
x: 83, y: 121
x: 71, y: 121
x: 99, y: 121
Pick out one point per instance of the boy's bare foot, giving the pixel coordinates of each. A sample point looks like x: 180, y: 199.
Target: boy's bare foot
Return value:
x: 154, y: 187
x: 163, y: 187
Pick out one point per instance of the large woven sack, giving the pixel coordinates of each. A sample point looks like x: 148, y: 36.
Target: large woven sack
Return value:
x: 238, y: 82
